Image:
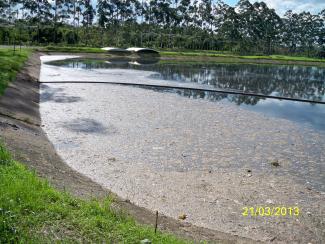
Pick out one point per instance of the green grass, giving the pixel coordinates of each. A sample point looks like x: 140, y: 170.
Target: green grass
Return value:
x: 10, y: 63
x: 229, y: 55
x: 285, y: 58
x: 32, y: 211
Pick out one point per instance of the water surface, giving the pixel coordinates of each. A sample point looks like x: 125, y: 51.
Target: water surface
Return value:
x: 303, y: 82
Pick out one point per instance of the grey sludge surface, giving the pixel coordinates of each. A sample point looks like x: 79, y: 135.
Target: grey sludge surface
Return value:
x: 178, y: 155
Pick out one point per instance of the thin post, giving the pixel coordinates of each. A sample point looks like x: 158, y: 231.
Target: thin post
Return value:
x: 156, y: 223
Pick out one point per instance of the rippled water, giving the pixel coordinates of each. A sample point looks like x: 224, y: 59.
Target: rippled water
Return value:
x: 278, y: 80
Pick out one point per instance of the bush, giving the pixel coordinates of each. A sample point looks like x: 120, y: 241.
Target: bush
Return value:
x: 321, y: 54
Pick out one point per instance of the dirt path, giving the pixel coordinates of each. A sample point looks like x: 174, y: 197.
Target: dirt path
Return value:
x: 20, y: 130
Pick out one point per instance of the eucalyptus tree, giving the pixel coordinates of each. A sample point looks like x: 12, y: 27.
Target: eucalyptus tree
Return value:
x: 206, y: 16
x: 74, y: 11
x: 321, y: 39
x: 195, y: 15
x: 88, y: 12
x: 9, y: 10
x: 310, y: 26
x: 146, y: 11
x: 88, y: 15
x: 161, y: 12
x: 184, y: 10
x: 247, y: 17
x: 3, y: 10
x: 60, y: 13
x: 37, y: 10
x: 128, y: 11
x: 78, y: 12
x: 63, y: 10
x: 301, y: 31
x: 290, y: 31
x: 227, y: 22
x: 3, y: 5
x: 104, y: 12
x: 267, y: 25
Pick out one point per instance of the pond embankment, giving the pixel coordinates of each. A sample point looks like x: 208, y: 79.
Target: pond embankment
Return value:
x: 21, y: 131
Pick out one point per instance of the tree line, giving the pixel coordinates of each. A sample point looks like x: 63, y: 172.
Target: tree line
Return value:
x: 245, y: 28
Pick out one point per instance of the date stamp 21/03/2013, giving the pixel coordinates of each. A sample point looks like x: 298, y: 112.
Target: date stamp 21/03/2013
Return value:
x: 263, y: 211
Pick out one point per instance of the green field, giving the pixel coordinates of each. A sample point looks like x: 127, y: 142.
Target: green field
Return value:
x: 32, y: 211
x: 229, y: 55
x: 10, y: 63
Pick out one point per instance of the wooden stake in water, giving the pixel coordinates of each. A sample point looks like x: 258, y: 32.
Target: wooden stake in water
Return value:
x: 156, y: 224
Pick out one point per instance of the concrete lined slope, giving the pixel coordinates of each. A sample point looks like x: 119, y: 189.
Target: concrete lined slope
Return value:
x: 14, y: 102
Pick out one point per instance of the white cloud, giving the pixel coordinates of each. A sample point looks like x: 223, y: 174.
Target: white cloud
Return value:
x: 281, y: 6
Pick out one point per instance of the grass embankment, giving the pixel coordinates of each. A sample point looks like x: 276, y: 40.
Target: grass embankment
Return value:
x: 32, y: 211
x: 229, y: 55
x: 10, y: 63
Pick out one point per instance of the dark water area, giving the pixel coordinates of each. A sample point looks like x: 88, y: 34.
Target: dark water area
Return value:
x: 303, y: 82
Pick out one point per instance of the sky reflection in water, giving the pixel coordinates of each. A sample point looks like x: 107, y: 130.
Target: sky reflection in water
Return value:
x: 279, y: 80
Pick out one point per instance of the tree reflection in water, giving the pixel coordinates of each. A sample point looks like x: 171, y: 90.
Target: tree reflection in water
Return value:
x: 306, y: 113
x: 278, y: 80
x: 287, y: 81
x: 283, y: 80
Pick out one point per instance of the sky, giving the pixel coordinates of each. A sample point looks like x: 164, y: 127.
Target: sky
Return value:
x: 281, y: 6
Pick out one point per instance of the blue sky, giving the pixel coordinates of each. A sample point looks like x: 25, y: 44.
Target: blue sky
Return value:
x: 231, y: 2
x: 281, y: 6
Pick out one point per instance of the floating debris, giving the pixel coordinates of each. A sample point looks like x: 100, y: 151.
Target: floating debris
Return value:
x: 275, y: 163
x: 182, y: 216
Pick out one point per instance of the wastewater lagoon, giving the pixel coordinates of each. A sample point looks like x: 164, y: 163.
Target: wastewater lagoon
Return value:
x: 301, y: 82
x: 184, y: 151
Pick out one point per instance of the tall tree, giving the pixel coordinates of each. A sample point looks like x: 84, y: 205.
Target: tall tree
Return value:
x: 227, y: 23
x: 37, y: 10
x: 184, y: 10
x: 3, y: 10
x: 309, y: 29
x: 205, y: 10
x: 290, y: 31
x: 104, y: 12
x: 88, y: 13
x: 267, y: 25
x: 321, y: 40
